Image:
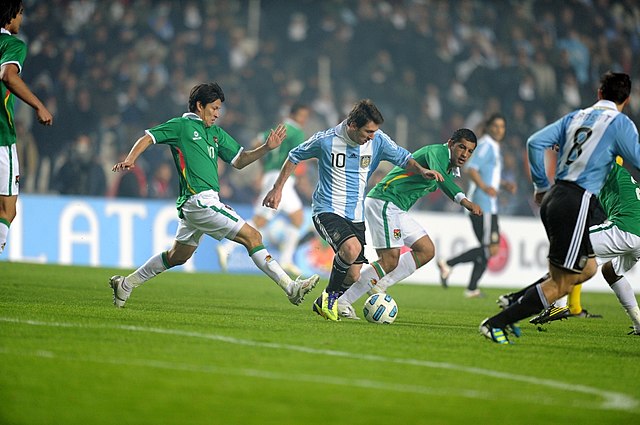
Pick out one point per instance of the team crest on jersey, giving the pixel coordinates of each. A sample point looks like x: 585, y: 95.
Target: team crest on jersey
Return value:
x: 397, y: 234
x: 196, y: 135
x: 17, y: 180
x: 365, y: 160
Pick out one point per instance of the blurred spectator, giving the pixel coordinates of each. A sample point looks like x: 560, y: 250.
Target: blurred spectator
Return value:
x: 80, y: 172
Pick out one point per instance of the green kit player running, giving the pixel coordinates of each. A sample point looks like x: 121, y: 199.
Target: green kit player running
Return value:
x: 391, y: 226
x: 196, y: 144
x: 13, y: 52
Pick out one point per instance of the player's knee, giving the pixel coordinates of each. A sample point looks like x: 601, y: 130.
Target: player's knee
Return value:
x: 350, y: 250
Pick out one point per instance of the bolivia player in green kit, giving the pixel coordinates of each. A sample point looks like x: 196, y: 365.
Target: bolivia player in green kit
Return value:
x: 196, y: 144
x: 391, y: 226
x: 13, y: 52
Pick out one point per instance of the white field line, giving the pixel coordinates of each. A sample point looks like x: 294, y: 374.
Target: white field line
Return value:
x: 610, y: 400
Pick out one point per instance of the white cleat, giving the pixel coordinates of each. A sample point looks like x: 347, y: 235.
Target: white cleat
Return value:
x: 302, y: 287
x: 445, y: 271
x: 223, y: 256
x: 375, y: 289
x: 120, y: 296
x: 346, y: 311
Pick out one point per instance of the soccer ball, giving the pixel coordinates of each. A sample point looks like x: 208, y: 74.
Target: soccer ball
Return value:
x: 380, y: 308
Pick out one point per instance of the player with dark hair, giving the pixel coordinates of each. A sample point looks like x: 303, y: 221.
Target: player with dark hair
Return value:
x: 588, y: 141
x: 13, y: 52
x: 347, y: 154
x: 196, y: 145
x: 485, y: 170
x: 271, y: 163
x: 392, y: 227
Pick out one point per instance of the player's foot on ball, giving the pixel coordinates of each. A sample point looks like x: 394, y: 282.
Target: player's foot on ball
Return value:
x: 302, y: 287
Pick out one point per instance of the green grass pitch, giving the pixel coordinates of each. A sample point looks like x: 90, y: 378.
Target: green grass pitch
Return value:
x: 230, y: 349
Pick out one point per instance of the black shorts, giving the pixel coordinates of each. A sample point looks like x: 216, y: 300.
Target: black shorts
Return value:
x: 335, y: 230
x: 567, y: 211
x: 486, y: 228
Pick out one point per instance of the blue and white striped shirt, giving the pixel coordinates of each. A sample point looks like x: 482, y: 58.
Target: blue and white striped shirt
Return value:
x: 487, y: 161
x: 589, y: 141
x: 344, y: 167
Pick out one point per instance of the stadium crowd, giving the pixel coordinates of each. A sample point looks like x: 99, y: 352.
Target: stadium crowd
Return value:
x: 107, y: 69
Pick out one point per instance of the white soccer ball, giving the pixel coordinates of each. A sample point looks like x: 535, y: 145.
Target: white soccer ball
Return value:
x: 380, y: 308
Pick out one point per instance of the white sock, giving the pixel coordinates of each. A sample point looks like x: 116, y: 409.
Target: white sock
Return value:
x: 228, y: 245
x: 4, y: 232
x: 627, y: 298
x: 368, y: 278
x: 406, y: 267
x: 292, y: 236
x: 271, y: 268
x: 153, y: 267
x: 561, y: 302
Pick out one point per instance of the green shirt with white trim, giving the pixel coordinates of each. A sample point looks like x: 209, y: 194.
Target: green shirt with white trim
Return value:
x: 274, y: 159
x: 404, y: 188
x: 620, y: 198
x: 195, y: 149
x: 12, y: 50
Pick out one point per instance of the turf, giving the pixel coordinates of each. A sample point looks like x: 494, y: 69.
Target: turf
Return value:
x: 230, y: 349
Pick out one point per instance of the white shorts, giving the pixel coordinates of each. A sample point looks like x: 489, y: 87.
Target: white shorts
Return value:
x: 205, y: 214
x: 9, y: 170
x: 290, y: 202
x: 389, y: 226
x: 611, y: 243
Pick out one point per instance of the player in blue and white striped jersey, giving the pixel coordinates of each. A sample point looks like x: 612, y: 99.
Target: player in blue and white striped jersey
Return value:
x: 347, y: 154
x: 588, y: 141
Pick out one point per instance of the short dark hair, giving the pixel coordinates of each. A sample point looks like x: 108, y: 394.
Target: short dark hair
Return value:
x: 466, y: 134
x: 363, y: 112
x: 205, y: 93
x: 10, y: 10
x: 493, y: 117
x: 615, y: 86
x: 296, y: 107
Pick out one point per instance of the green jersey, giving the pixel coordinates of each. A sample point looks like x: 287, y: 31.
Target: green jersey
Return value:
x: 404, y: 188
x: 620, y: 198
x: 195, y: 149
x: 12, y: 50
x: 274, y: 159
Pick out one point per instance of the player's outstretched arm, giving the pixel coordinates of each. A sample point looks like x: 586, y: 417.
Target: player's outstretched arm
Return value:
x: 10, y: 77
x: 471, y: 207
x: 414, y: 167
x: 129, y: 162
x: 274, y: 196
x: 276, y: 136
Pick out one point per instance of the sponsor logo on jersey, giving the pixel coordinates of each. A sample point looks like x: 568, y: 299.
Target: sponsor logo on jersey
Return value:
x: 365, y: 160
x: 196, y: 135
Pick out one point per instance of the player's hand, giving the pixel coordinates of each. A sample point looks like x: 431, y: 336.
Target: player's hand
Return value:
x: 123, y: 166
x: 511, y: 187
x: 276, y: 136
x: 491, y: 191
x: 272, y: 199
x: 432, y: 175
x: 537, y: 197
x: 44, y: 116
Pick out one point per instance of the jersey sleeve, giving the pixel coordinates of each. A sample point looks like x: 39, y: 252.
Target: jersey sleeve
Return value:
x: 167, y: 133
x: 15, y: 53
x: 309, y: 149
x: 628, y: 142
x: 537, y: 144
x: 228, y: 148
x: 392, y: 152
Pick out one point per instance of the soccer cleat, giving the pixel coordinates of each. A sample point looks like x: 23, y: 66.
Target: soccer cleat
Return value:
x: 445, y: 271
x: 223, y: 256
x: 584, y: 314
x: 634, y: 331
x: 514, y: 330
x: 120, y: 296
x: 550, y: 314
x: 474, y: 293
x: 302, y: 287
x: 330, y: 305
x: 375, y: 289
x: 347, y: 311
x: 497, y: 335
x: 505, y: 301
x: 317, y: 307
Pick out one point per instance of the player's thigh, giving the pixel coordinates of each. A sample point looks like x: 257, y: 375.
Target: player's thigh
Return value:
x: 9, y: 174
x: 205, y: 214
x: 611, y: 243
x: 385, y: 222
x: 566, y: 212
x: 337, y: 230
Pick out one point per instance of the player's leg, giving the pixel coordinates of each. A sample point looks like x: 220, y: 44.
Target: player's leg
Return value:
x: 486, y: 227
x: 475, y: 255
x: 9, y: 179
x: 565, y: 212
x: 624, y: 292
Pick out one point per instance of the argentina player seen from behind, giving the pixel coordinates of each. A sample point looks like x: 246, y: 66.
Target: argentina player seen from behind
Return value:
x: 588, y: 141
x: 347, y: 154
